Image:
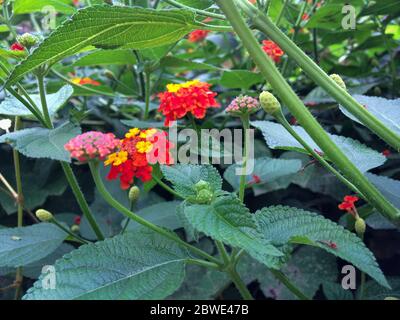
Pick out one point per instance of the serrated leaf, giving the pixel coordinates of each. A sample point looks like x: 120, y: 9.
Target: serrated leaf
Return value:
x: 29, y: 6
x: 106, y: 57
x: 41, y: 142
x: 266, y: 168
x: 277, y: 137
x: 229, y: 221
x: 140, y: 265
x: 10, y: 106
x: 185, y: 176
x: 109, y: 28
x: 283, y: 224
x: 373, y: 291
x: 387, y: 111
x: 240, y: 79
x: 24, y: 245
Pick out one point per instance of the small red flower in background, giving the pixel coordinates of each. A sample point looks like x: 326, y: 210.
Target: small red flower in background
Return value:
x: 137, y: 151
x: 190, y: 97
x: 272, y: 50
x: 293, y: 121
x: 198, y: 35
x: 86, y: 80
x: 92, y: 145
x: 77, y: 220
x: 17, y: 47
x: 386, y: 153
x: 253, y: 1
x: 305, y: 17
x: 348, y: 205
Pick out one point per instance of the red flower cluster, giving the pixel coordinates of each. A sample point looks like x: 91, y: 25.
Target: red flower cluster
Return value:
x: 272, y: 50
x: 198, y: 35
x: 17, y: 47
x: 192, y: 96
x: 348, y: 205
x: 137, y: 151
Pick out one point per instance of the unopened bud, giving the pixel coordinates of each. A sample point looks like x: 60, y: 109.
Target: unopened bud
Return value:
x: 339, y: 81
x: 204, y: 196
x: 269, y: 103
x: 109, y: 74
x: 134, y: 194
x: 75, y: 228
x: 44, y: 215
x: 28, y: 40
x: 201, y: 185
x: 360, y: 226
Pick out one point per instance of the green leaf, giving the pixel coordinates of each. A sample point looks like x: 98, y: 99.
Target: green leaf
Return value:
x: 374, y: 291
x: 10, y: 106
x: 140, y: 265
x: 267, y: 169
x: 162, y: 214
x: 334, y: 291
x: 285, y: 224
x: 109, y: 28
x: 382, y: 7
x: 43, y: 143
x: 185, y: 176
x: 277, y: 137
x: 13, y: 54
x: 198, y: 4
x: 387, y: 111
x: 327, y: 17
x: 106, y: 57
x: 229, y: 221
x: 173, y: 62
x: 141, y: 124
x: 240, y: 79
x: 24, y: 245
x: 29, y: 6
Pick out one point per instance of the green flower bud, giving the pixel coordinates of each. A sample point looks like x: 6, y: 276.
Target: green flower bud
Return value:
x: 204, y: 196
x: 75, y: 228
x: 360, y: 226
x: 28, y: 40
x: 201, y: 185
x: 44, y: 215
x: 109, y: 74
x: 269, y: 103
x: 134, y: 194
x: 339, y: 81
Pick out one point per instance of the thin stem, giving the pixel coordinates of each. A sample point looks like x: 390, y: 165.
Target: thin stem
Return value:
x: 20, y: 206
x: 286, y: 281
x: 282, y: 120
x: 240, y: 285
x: 242, y: 186
x: 42, y: 93
x: 69, y: 232
x: 305, y: 118
x: 166, y: 187
x: 147, y: 93
x: 223, y: 253
x: 280, y: 15
x: 81, y: 199
x: 198, y: 11
x: 265, y: 25
x: 94, y: 168
x: 204, y: 263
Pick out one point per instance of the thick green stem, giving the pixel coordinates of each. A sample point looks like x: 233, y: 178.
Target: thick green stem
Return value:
x: 94, y: 168
x: 240, y: 285
x: 147, y: 93
x: 282, y: 278
x: 42, y: 92
x: 282, y: 120
x: 264, y: 24
x: 303, y: 115
x: 246, y: 127
x: 198, y: 11
x: 204, y: 263
x: 222, y: 252
x: 81, y: 199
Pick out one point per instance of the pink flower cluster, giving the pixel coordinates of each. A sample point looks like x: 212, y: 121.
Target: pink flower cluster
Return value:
x: 92, y: 145
x: 243, y: 104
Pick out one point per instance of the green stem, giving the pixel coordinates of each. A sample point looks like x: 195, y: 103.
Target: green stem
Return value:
x: 69, y: 232
x: 42, y: 93
x: 286, y: 281
x: 204, y: 263
x: 167, y: 188
x: 240, y: 285
x: 282, y: 120
x: 303, y: 115
x: 264, y: 24
x: 222, y: 251
x: 94, y: 168
x: 147, y: 93
x: 242, y: 186
x: 81, y: 199
x: 198, y: 11
x: 20, y: 207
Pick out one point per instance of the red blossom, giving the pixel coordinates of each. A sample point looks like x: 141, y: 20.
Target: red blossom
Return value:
x: 198, y: 35
x: 272, y: 50
x: 386, y: 153
x: 17, y: 47
x: 77, y: 220
x: 348, y: 205
x: 305, y: 17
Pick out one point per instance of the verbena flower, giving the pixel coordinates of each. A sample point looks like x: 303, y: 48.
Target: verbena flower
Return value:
x: 92, y: 145
x: 86, y: 80
x: 193, y: 97
x: 198, y: 35
x: 243, y: 105
x: 137, y: 151
x: 17, y: 47
x: 272, y: 50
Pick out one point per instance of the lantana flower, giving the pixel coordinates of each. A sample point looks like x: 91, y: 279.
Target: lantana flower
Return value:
x: 193, y: 97
x: 348, y: 205
x: 137, y: 151
x: 92, y: 145
x: 243, y: 105
x: 86, y: 80
x: 17, y: 47
x: 272, y: 50
x: 198, y: 35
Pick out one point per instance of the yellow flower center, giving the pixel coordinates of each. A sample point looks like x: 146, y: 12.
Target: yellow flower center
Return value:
x: 117, y: 158
x: 132, y: 133
x: 144, y: 146
x: 173, y: 87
